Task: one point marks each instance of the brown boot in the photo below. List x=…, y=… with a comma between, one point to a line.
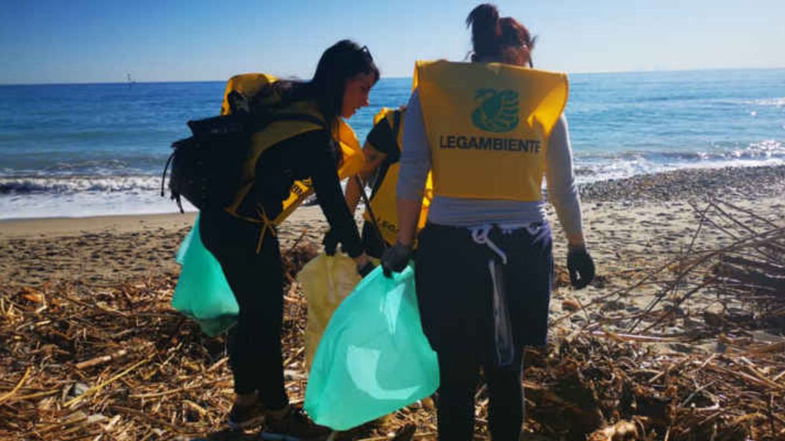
x=247, y=412
x=291, y=424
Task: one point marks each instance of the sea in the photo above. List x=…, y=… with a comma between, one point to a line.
x=70, y=150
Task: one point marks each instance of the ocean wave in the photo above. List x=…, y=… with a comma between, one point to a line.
x=86, y=204
x=79, y=184
x=79, y=168
x=764, y=149
x=666, y=98
x=94, y=164
x=776, y=102
x=625, y=168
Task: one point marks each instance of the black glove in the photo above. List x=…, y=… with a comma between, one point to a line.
x=395, y=258
x=581, y=267
x=330, y=243
x=366, y=269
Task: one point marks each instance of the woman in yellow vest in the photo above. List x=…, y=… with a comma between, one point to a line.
x=382, y=151
x=242, y=235
x=490, y=131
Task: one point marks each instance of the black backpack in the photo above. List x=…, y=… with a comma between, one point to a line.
x=207, y=167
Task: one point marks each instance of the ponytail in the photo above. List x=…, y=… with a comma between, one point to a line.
x=484, y=21
x=494, y=37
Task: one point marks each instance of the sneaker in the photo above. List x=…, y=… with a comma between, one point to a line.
x=291, y=424
x=244, y=416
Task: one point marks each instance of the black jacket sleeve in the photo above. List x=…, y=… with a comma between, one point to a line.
x=324, y=176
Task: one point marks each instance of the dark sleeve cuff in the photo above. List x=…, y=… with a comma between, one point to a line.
x=384, y=140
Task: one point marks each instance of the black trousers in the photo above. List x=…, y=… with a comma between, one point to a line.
x=255, y=353
x=454, y=291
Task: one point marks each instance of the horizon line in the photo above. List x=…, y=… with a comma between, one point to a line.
x=394, y=77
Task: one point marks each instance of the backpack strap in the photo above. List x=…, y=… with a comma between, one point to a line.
x=248, y=174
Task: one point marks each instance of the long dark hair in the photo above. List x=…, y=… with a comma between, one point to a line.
x=338, y=63
x=495, y=37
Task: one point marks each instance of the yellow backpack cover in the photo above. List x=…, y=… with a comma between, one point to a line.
x=251, y=83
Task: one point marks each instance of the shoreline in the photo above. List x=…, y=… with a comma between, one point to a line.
x=638, y=219
x=754, y=181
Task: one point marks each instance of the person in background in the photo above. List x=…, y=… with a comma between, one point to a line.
x=491, y=131
x=382, y=151
x=243, y=239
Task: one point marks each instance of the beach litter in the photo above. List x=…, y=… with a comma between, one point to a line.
x=116, y=362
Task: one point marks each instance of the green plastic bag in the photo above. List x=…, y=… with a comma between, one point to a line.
x=202, y=291
x=373, y=358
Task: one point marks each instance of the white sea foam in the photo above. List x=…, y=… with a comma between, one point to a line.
x=28, y=197
x=35, y=197
x=20, y=185
x=86, y=204
x=776, y=102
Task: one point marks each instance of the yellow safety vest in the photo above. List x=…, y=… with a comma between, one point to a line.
x=278, y=131
x=383, y=201
x=488, y=126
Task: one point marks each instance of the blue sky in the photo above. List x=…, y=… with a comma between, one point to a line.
x=63, y=41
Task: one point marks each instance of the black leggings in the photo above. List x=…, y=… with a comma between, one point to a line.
x=454, y=293
x=459, y=371
x=256, y=279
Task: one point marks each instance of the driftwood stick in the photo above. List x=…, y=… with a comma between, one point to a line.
x=749, y=212
x=148, y=418
x=700, y=223
x=296, y=242
x=751, y=277
x=757, y=264
x=751, y=378
x=218, y=364
x=679, y=302
x=100, y=386
x=759, y=238
x=732, y=218
x=634, y=337
x=74, y=418
x=695, y=392
x=37, y=395
x=646, y=279
x=178, y=390
x=18, y=386
x=296, y=354
x=102, y=359
x=673, y=285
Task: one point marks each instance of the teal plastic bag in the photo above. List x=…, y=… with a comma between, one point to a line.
x=202, y=291
x=373, y=358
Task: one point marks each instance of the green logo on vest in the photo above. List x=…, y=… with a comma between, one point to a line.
x=498, y=110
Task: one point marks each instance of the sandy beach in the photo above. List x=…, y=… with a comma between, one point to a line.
x=647, y=217
x=633, y=226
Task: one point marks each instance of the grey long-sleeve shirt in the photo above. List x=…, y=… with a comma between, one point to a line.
x=465, y=212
